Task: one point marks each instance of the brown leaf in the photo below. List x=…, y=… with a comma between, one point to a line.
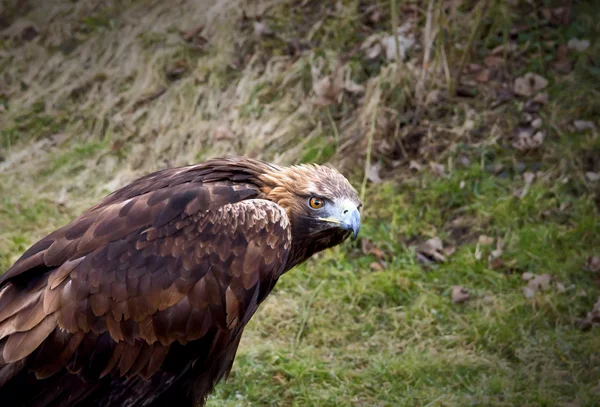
x=527, y=276
x=376, y=266
x=540, y=282
x=483, y=76
x=485, y=240
x=562, y=63
x=493, y=61
x=437, y=169
x=189, y=35
x=432, y=250
x=592, y=264
x=529, y=84
x=459, y=294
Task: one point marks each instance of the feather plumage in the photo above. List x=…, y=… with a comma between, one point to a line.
x=148, y=292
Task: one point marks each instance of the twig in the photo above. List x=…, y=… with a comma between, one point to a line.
x=336, y=134
x=305, y=316
x=394, y=17
x=370, y=136
x=467, y=50
x=419, y=89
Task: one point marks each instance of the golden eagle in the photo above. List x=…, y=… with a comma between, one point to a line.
x=142, y=299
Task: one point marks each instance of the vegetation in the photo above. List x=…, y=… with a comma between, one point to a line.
x=472, y=135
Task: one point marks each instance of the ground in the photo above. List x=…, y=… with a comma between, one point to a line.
x=472, y=138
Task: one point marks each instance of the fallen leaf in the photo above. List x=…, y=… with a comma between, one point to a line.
x=578, y=45
x=459, y=294
x=527, y=276
x=536, y=123
x=328, y=90
x=493, y=61
x=540, y=282
x=375, y=266
x=485, y=240
x=499, y=250
x=437, y=169
x=562, y=63
x=560, y=287
x=405, y=43
x=262, y=30
x=541, y=98
x=582, y=125
x=433, y=97
x=190, y=34
x=432, y=250
x=414, y=165
x=525, y=141
x=483, y=76
x=449, y=251
x=373, y=173
x=528, y=292
x=354, y=87
x=592, y=176
x=592, y=264
x=529, y=84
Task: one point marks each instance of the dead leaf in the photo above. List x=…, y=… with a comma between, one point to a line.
x=527, y=276
x=592, y=264
x=525, y=141
x=449, y=251
x=191, y=34
x=562, y=63
x=485, y=240
x=414, y=165
x=528, y=292
x=327, y=89
x=262, y=30
x=405, y=42
x=433, y=97
x=373, y=173
x=483, y=76
x=375, y=266
x=560, y=288
x=493, y=61
x=499, y=250
x=541, y=98
x=540, y=282
x=432, y=250
x=578, y=45
x=529, y=84
x=536, y=123
x=354, y=87
x=437, y=169
x=459, y=294
x=582, y=125
x=592, y=176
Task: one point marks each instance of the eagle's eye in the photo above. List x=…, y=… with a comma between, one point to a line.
x=316, y=203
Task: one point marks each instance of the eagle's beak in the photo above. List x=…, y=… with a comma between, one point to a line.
x=350, y=220
x=345, y=215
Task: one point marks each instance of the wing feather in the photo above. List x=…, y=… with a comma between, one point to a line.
x=175, y=265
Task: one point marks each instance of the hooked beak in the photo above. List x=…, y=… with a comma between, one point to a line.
x=351, y=221
x=346, y=216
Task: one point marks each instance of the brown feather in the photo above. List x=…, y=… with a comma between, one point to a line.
x=21, y=344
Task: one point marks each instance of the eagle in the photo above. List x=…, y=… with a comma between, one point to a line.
x=142, y=299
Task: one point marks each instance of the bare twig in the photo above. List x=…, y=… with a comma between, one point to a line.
x=467, y=50
x=394, y=16
x=370, y=137
x=420, y=88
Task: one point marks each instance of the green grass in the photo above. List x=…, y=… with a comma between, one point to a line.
x=394, y=337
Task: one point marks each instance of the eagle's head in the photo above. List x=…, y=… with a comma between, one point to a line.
x=322, y=206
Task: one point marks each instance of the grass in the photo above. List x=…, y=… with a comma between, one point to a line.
x=92, y=104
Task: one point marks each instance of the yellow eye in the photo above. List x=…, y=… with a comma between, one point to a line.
x=316, y=203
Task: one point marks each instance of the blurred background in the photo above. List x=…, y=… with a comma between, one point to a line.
x=470, y=129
